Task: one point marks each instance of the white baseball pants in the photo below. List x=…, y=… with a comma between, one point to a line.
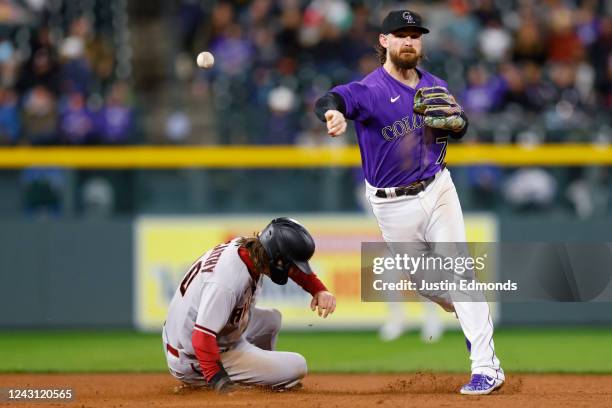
x=434, y=216
x=253, y=359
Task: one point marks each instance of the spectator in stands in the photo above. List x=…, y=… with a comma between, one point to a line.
x=100, y=57
x=514, y=88
x=40, y=117
x=42, y=66
x=484, y=183
x=98, y=197
x=116, y=118
x=42, y=191
x=483, y=92
x=10, y=123
x=76, y=123
x=190, y=18
x=222, y=16
x=41, y=69
x=529, y=42
x=8, y=63
x=13, y=13
x=266, y=50
x=77, y=74
x=530, y=189
x=461, y=34
x=563, y=79
x=257, y=15
x=486, y=13
x=282, y=121
x=601, y=58
x=288, y=33
x=564, y=45
x=495, y=41
x=233, y=51
x=539, y=92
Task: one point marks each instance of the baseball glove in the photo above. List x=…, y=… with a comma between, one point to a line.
x=439, y=107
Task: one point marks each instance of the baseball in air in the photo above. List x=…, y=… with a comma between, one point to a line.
x=205, y=60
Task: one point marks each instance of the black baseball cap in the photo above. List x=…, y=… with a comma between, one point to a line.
x=399, y=19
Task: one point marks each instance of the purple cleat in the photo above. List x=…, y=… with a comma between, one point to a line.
x=481, y=384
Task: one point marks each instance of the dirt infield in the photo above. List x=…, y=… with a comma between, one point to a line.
x=322, y=390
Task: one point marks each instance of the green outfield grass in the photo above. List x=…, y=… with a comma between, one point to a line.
x=580, y=350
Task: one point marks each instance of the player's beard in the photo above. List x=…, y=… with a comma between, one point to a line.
x=405, y=60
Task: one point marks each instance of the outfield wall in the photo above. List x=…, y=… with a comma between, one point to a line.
x=165, y=248
x=551, y=229
x=65, y=273
x=80, y=273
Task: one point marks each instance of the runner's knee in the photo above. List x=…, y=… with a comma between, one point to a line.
x=276, y=319
x=297, y=367
x=270, y=319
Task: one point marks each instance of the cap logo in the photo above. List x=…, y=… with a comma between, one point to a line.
x=408, y=17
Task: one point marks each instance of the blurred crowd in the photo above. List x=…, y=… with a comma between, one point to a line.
x=58, y=78
x=525, y=71
x=64, y=75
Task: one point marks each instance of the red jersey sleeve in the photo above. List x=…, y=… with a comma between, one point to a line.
x=215, y=308
x=204, y=343
x=309, y=282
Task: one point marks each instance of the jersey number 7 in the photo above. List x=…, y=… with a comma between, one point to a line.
x=444, y=142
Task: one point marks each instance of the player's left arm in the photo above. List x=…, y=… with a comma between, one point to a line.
x=216, y=305
x=322, y=299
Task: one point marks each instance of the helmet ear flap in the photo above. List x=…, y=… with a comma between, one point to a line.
x=270, y=240
x=278, y=274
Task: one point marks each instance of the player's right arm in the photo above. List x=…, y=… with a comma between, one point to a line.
x=322, y=300
x=217, y=303
x=336, y=123
x=350, y=101
x=330, y=108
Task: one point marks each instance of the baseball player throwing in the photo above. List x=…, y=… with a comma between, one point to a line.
x=215, y=336
x=403, y=117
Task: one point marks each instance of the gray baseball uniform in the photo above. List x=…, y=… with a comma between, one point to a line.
x=212, y=317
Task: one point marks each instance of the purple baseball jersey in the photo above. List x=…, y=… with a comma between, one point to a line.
x=396, y=147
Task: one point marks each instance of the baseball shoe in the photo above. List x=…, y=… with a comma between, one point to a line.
x=291, y=386
x=392, y=329
x=481, y=384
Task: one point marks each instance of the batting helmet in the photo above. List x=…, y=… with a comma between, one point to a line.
x=287, y=243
